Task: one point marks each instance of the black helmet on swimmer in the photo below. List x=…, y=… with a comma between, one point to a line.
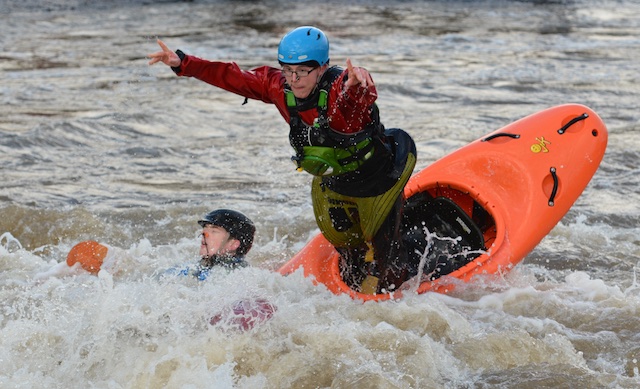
x=237, y=225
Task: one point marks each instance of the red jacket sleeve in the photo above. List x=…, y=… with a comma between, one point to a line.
x=262, y=83
x=350, y=110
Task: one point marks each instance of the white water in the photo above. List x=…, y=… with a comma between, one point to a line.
x=94, y=144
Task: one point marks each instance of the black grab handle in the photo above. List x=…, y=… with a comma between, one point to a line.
x=490, y=137
x=554, y=191
x=572, y=122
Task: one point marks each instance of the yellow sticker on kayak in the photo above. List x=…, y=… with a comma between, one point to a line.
x=541, y=146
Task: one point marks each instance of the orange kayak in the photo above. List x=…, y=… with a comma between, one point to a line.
x=501, y=194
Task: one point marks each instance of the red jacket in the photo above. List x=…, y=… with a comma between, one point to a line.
x=348, y=111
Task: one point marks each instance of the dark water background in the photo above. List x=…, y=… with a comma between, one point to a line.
x=95, y=144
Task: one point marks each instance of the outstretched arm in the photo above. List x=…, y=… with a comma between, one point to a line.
x=262, y=83
x=166, y=56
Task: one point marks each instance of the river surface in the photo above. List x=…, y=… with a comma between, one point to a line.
x=96, y=144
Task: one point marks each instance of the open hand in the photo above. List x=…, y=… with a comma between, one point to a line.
x=166, y=56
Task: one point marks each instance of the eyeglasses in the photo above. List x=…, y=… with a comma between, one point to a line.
x=300, y=73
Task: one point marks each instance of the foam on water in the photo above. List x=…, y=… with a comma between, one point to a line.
x=130, y=329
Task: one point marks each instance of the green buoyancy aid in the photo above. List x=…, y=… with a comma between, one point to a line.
x=321, y=150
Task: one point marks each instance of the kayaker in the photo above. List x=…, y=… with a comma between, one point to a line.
x=227, y=236
x=359, y=168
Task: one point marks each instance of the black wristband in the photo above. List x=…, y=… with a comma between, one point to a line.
x=181, y=55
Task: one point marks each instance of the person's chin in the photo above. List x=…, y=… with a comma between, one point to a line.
x=300, y=93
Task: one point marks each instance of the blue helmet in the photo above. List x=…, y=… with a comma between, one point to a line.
x=302, y=45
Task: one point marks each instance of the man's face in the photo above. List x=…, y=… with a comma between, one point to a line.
x=302, y=78
x=216, y=240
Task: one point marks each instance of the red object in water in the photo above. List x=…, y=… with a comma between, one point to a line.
x=244, y=315
x=89, y=253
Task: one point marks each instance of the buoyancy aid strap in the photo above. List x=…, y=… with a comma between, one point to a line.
x=318, y=96
x=290, y=98
x=321, y=161
x=323, y=98
x=359, y=153
x=292, y=102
